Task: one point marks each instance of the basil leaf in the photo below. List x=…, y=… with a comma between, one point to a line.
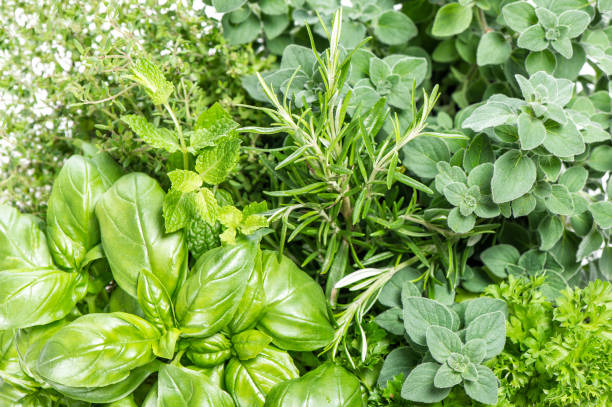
x=249, y=344
x=252, y=304
x=31, y=297
x=133, y=238
x=182, y=387
x=72, y=227
x=209, y=298
x=249, y=381
x=22, y=243
x=111, y=343
x=329, y=385
x=209, y=352
x=296, y=310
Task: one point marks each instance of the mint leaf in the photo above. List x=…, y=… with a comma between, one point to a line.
x=215, y=163
x=184, y=181
x=157, y=137
x=147, y=74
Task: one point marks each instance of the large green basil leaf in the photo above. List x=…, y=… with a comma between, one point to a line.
x=296, y=314
x=112, y=392
x=252, y=304
x=72, y=227
x=133, y=238
x=178, y=387
x=30, y=342
x=211, y=351
x=329, y=385
x=151, y=399
x=249, y=344
x=10, y=368
x=22, y=243
x=249, y=381
x=155, y=301
x=110, y=343
x=10, y=395
x=209, y=298
x=31, y=297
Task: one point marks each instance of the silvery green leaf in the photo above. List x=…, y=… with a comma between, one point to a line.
x=560, y=201
x=446, y=377
x=441, y=342
x=393, y=28
x=419, y=385
x=492, y=328
x=448, y=174
x=563, y=46
x=460, y=223
x=491, y=114
x=519, y=15
x=533, y=39
x=470, y=373
x=546, y=18
x=475, y=350
x=514, y=173
x=484, y=389
x=576, y=20
x=483, y=305
x=391, y=320
x=400, y=360
x=531, y=131
x=602, y=214
x=498, y=257
x=421, y=313
x=390, y=295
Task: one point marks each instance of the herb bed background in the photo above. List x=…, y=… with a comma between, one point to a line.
x=439, y=168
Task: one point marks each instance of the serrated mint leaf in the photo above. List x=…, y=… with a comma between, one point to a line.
x=215, y=163
x=475, y=350
x=451, y=19
x=230, y=216
x=441, y=342
x=421, y=313
x=184, y=181
x=157, y=137
x=419, y=385
x=514, y=173
x=205, y=206
x=255, y=208
x=446, y=377
x=493, y=49
x=177, y=210
x=484, y=389
x=498, y=257
x=560, y=200
x=492, y=328
x=394, y=28
x=212, y=124
x=252, y=223
x=147, y=74
x=602, y=214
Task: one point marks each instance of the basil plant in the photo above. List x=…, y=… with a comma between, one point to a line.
x=447, y=346
x=104, y=288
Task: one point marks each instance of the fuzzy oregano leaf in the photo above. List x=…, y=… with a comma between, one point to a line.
x=441, y=342
x=419, y=385
x=513, y=176
x=490, y=327
x=421, y=313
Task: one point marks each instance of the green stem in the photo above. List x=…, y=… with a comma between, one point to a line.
x=179, y=131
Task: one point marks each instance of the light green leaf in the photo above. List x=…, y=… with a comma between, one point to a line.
x=560, y=201
x=531, y=131
x=446, y=377
x=519, y=15
x=602, y=214
x=475, y=350
x=419, y=385
x=214, y=164
x=147, y=74
x=184, y=181
x=491, y=114
x=38, y=296
x=551, y=166
x=183, y=387
x=601, y=158
x=225, y=6
x=22, y=243
x=498, y=257
x=533, y=39
x=492, y=328
x=493, y=49
x=451, y=19
x=478, y=152
x=524, y=205
x=423, y=153
x=441, y=342
x=460, y=223
x=484, y=389
x=421, y=313
x=248, y=344
x=563, y=46
x=483, y=305
x=400, y=360
x=274, y=7
x=540, y=61
x=574, y=178
x=589, y=244
x=394, y=28
x=157, y=137
x=513, y=176
x=155, y=301
x=576, y=21
x=240, y=33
